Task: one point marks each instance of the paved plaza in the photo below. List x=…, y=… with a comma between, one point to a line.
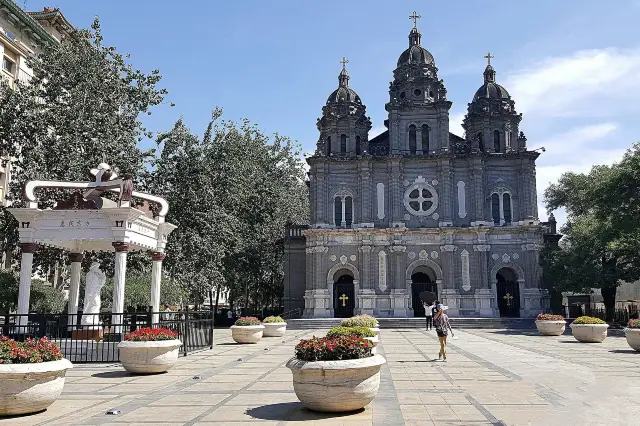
x=492, y=377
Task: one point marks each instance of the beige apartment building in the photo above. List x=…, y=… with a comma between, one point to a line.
x=23, y=34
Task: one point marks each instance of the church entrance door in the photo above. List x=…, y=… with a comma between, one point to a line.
x=421, y=281
x=343, y=297
x=508, y=292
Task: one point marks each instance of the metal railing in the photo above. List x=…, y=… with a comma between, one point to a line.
x=292, y=314
x=94, y=338
x=620, y=316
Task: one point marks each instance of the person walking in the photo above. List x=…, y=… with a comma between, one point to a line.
x=428, y=313
x=441, y=323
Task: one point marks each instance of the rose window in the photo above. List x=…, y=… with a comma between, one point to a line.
x=421, y=199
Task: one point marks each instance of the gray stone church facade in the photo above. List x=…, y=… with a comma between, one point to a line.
x=418, y=208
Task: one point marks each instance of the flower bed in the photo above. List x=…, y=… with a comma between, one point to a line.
x=335, y=374
x=247, y=330
x=149, y=350
x=351, y=331
x=247, y=321
x=274, y=327
x=362, y=321
x=632, y=333
x=589, y=329
x=550, y=325
x=32, y=375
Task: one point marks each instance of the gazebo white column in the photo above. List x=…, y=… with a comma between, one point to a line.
x=74, y=288
x=156, y=279
x=24, y=291
x=117, y=307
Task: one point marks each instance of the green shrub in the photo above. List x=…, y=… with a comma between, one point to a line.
x=247, y=321
x=333, y=348
x=272, y=319
x=360, y=321
x=351, y=331
x=588, y=320
x=634, y=323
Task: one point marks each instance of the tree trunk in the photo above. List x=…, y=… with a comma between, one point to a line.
x=609, y=297
x=217, y=298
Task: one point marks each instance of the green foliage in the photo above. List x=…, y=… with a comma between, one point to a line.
x=137, y=293
x=44, y=297
x=351, y=331
x=360, y=321
x=29, y=352
x=247, y=321
x=634, y=323
x=549, y=317
x=273, y=319
x=8, y=291
x=588, y=320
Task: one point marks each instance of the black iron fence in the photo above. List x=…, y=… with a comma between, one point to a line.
x=620, y=316
x=95, y=337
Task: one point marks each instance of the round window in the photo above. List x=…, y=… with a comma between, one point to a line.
x=421, y=199
x=417, y=92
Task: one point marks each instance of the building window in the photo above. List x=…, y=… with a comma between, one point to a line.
x=425, y=138
x=348, y=211
x=412, y=139
x=506, y=207
x=358, y=147
x=495, y=208
x=8, y=65
x=496, y=141
x=343, y=209
x=337, y=211
x=328, y=145
x=480, y=141
x=343, y=143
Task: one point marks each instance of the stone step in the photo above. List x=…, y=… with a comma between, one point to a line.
x=462, y=323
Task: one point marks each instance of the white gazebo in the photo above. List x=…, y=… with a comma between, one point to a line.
x=87, y=222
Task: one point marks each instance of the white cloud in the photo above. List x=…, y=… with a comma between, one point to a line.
x=455, y=123
x=576, y=139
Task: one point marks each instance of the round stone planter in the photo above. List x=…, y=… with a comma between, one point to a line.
x=375, y=341
x=149, y=357
x=247, y=333
x=633, y=338
x=551, y=328
x=29, y=388
x=274, y=329
x=336, y=386
x=589, y=333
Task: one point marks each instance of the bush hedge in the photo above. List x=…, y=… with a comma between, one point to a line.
x=588, y=320
x=360, y=321
x=550, y=317
x=273, y=319
x=351, y=331
x=247, y=321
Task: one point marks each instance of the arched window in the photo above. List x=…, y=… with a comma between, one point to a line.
x=496, y=141
x=425, y=138
x=337, y=211
x=495, y=208
x=328, y=145
x=506, y=207
x=412, y=139
x=481, y=141
x=343, y=143
x=348, y=211
x=358, y=147
x=343, y=209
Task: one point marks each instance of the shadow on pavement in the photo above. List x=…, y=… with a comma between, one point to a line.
x=112, y=374
x=293, y=411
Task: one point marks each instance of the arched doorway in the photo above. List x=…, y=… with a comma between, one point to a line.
x=343, y=295
x=422, y=279
x=508, y=292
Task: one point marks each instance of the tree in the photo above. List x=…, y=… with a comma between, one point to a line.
x=137, y=293
x=82, y=107
x=44, y=298
x=598, y=251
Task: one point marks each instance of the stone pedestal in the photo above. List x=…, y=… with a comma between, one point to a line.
x=317, y=304
x=366, y=302
x=451, y=298
x=400, y=303
x=533, y=302
x=485, y=303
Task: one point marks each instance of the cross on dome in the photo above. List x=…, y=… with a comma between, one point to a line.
x=489, y=57
x=414, y=16
x=344, y=63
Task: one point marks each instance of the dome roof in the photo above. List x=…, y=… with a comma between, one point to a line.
x=415, y=54
x=490, y=89
x=344, y=94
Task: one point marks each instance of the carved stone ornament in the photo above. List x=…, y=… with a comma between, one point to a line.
x=529, y=247
x=423, y=254
x=343, y=259
x=434, y=254
x=353, y=257
x=365, y=249
x=495, y=256
x=448, y=247
x=506, y=258
x=317, y=249
x=516, y=256
x=333, y=258
x=382, y=270
x=466, y=278
x=398, y=249
x=482, y=247
x=411, y=255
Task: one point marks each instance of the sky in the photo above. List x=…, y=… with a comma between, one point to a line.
x=572, y=67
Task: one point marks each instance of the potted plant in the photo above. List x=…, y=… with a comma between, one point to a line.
x=149, y=350
x=335, y=374
x=589, y=329
x=362, y=321
x=364, y=332
x=550, y=325
x=274, y=327
x=32, y=375
x=247, y=330
x=632, y=333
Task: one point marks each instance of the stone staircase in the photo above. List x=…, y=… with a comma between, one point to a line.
x=462, y=323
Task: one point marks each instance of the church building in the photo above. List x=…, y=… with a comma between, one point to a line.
x=418, y=208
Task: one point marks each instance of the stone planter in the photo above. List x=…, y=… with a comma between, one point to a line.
x=274, y=329
x=149, y=357
x=551, y=328
x=375, y=341
x=336, y=386
x=589, y=333
x=29, y=388
x=377, y=331
x=247, y=333
x=633, y=338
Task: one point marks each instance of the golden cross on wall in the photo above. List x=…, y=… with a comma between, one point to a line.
x=344, y=299
x=415, y=18
x=344, y=63
x=489, y=57
x=508, y=298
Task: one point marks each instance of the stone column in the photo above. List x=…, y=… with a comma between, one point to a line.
x=74, y=288
x=24, y=292
x=117, y=307
x=446, y=194
x=156, y=280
